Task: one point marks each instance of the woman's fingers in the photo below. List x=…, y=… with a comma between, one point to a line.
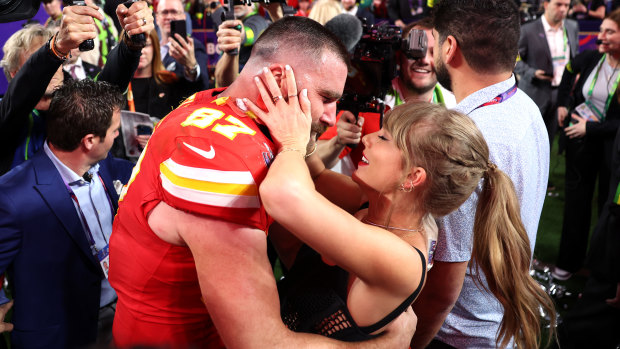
x=291, y=84
x=264, y=94
x=272, y=85
x=254, y=109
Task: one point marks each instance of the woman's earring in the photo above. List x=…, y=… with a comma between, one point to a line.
x=406, y=190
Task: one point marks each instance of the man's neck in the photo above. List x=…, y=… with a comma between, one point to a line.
x=74, y=160
x=467, y=83
x=552, y=24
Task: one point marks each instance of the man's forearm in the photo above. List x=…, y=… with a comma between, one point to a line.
x=226, y=70
x=121, y=65
x=440, y=293
x=329, y=150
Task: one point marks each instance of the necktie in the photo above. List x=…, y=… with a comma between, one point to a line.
x=73, y=74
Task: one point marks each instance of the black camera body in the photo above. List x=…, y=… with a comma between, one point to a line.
x=373, y=66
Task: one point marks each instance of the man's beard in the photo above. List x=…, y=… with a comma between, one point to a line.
x=443, y=76
x=419, y=90
x=317, y=128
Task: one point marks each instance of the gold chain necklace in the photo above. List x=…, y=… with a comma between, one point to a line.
x=411, y=231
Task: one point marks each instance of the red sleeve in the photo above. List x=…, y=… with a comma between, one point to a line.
x=204, y=177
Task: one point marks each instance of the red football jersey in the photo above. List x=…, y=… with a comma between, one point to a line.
x=206, y=157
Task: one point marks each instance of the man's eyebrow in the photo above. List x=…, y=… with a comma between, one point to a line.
x=330, y=94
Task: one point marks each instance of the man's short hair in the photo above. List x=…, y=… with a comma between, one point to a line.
x=487, y=31
x=301, y=35
x=79, y=108
x=425, y=23
x=21, y=41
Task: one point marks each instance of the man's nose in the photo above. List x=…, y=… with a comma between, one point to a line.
x=329, y=115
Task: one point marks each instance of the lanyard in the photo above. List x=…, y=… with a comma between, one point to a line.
x=502, y=97
x=565, y=41
x=30, y=126
x=611, y=92
x=437, y=97
x=89, y=233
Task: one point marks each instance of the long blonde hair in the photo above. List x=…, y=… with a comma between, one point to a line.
x=449, y=146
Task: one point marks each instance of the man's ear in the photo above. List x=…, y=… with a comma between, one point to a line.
x=450, y=47
x=89, y=141
x=278, y=72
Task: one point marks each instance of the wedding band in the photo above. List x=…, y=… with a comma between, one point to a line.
x=276, y=98
x=143, y=21
x=290, y=96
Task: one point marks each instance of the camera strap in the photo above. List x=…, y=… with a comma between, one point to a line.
x=502, y=97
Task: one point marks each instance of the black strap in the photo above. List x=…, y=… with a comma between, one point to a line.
x=403, y=306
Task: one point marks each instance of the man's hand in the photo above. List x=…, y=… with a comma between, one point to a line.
x=142, y=140
x=349, y=129
x=401, y=330
x=228, y=37
x=5, y=326
x=577, y=130
x=136, y=19
x=562, y=114
x=77, y=26
x=183, y=53
x=615, y=302
x=540, y=75
x=399, y=23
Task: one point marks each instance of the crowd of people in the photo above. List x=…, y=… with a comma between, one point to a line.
x=405, y=221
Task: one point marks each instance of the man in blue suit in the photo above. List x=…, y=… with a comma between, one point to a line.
x=56, y=214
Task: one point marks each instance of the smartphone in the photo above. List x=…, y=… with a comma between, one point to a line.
x=144, y=130
x=178, y=27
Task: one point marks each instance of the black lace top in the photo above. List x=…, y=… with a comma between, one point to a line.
x=313, y=299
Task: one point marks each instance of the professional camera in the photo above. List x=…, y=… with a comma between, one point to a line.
x=373, y=66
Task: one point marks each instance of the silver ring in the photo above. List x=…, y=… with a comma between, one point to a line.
x=143, y=21
x=290, y=96
x=275, y=99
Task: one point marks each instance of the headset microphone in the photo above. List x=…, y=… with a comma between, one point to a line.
x=599, y=41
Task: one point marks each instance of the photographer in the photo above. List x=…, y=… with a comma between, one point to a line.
x=416, y=81
x=32, y=80
x=186, y=57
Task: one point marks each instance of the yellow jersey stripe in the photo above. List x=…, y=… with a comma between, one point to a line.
x=206, y=198
x=206, y=186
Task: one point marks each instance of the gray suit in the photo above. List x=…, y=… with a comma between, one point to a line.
x=535, y=54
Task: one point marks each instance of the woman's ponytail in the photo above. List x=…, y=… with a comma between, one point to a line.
x=502, y=251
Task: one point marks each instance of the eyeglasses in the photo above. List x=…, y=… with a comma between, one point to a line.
x=170, y=12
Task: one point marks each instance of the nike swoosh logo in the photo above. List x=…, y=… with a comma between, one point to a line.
x=206, y=154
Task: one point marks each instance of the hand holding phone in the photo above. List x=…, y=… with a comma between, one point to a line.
x=88, y=44
x=178, y=27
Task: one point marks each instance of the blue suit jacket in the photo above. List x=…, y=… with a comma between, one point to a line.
x=54, y=278
x=202, y=83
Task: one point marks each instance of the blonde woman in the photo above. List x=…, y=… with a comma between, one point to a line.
x=425, y=160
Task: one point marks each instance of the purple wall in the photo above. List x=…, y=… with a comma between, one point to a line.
x=6, y=30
